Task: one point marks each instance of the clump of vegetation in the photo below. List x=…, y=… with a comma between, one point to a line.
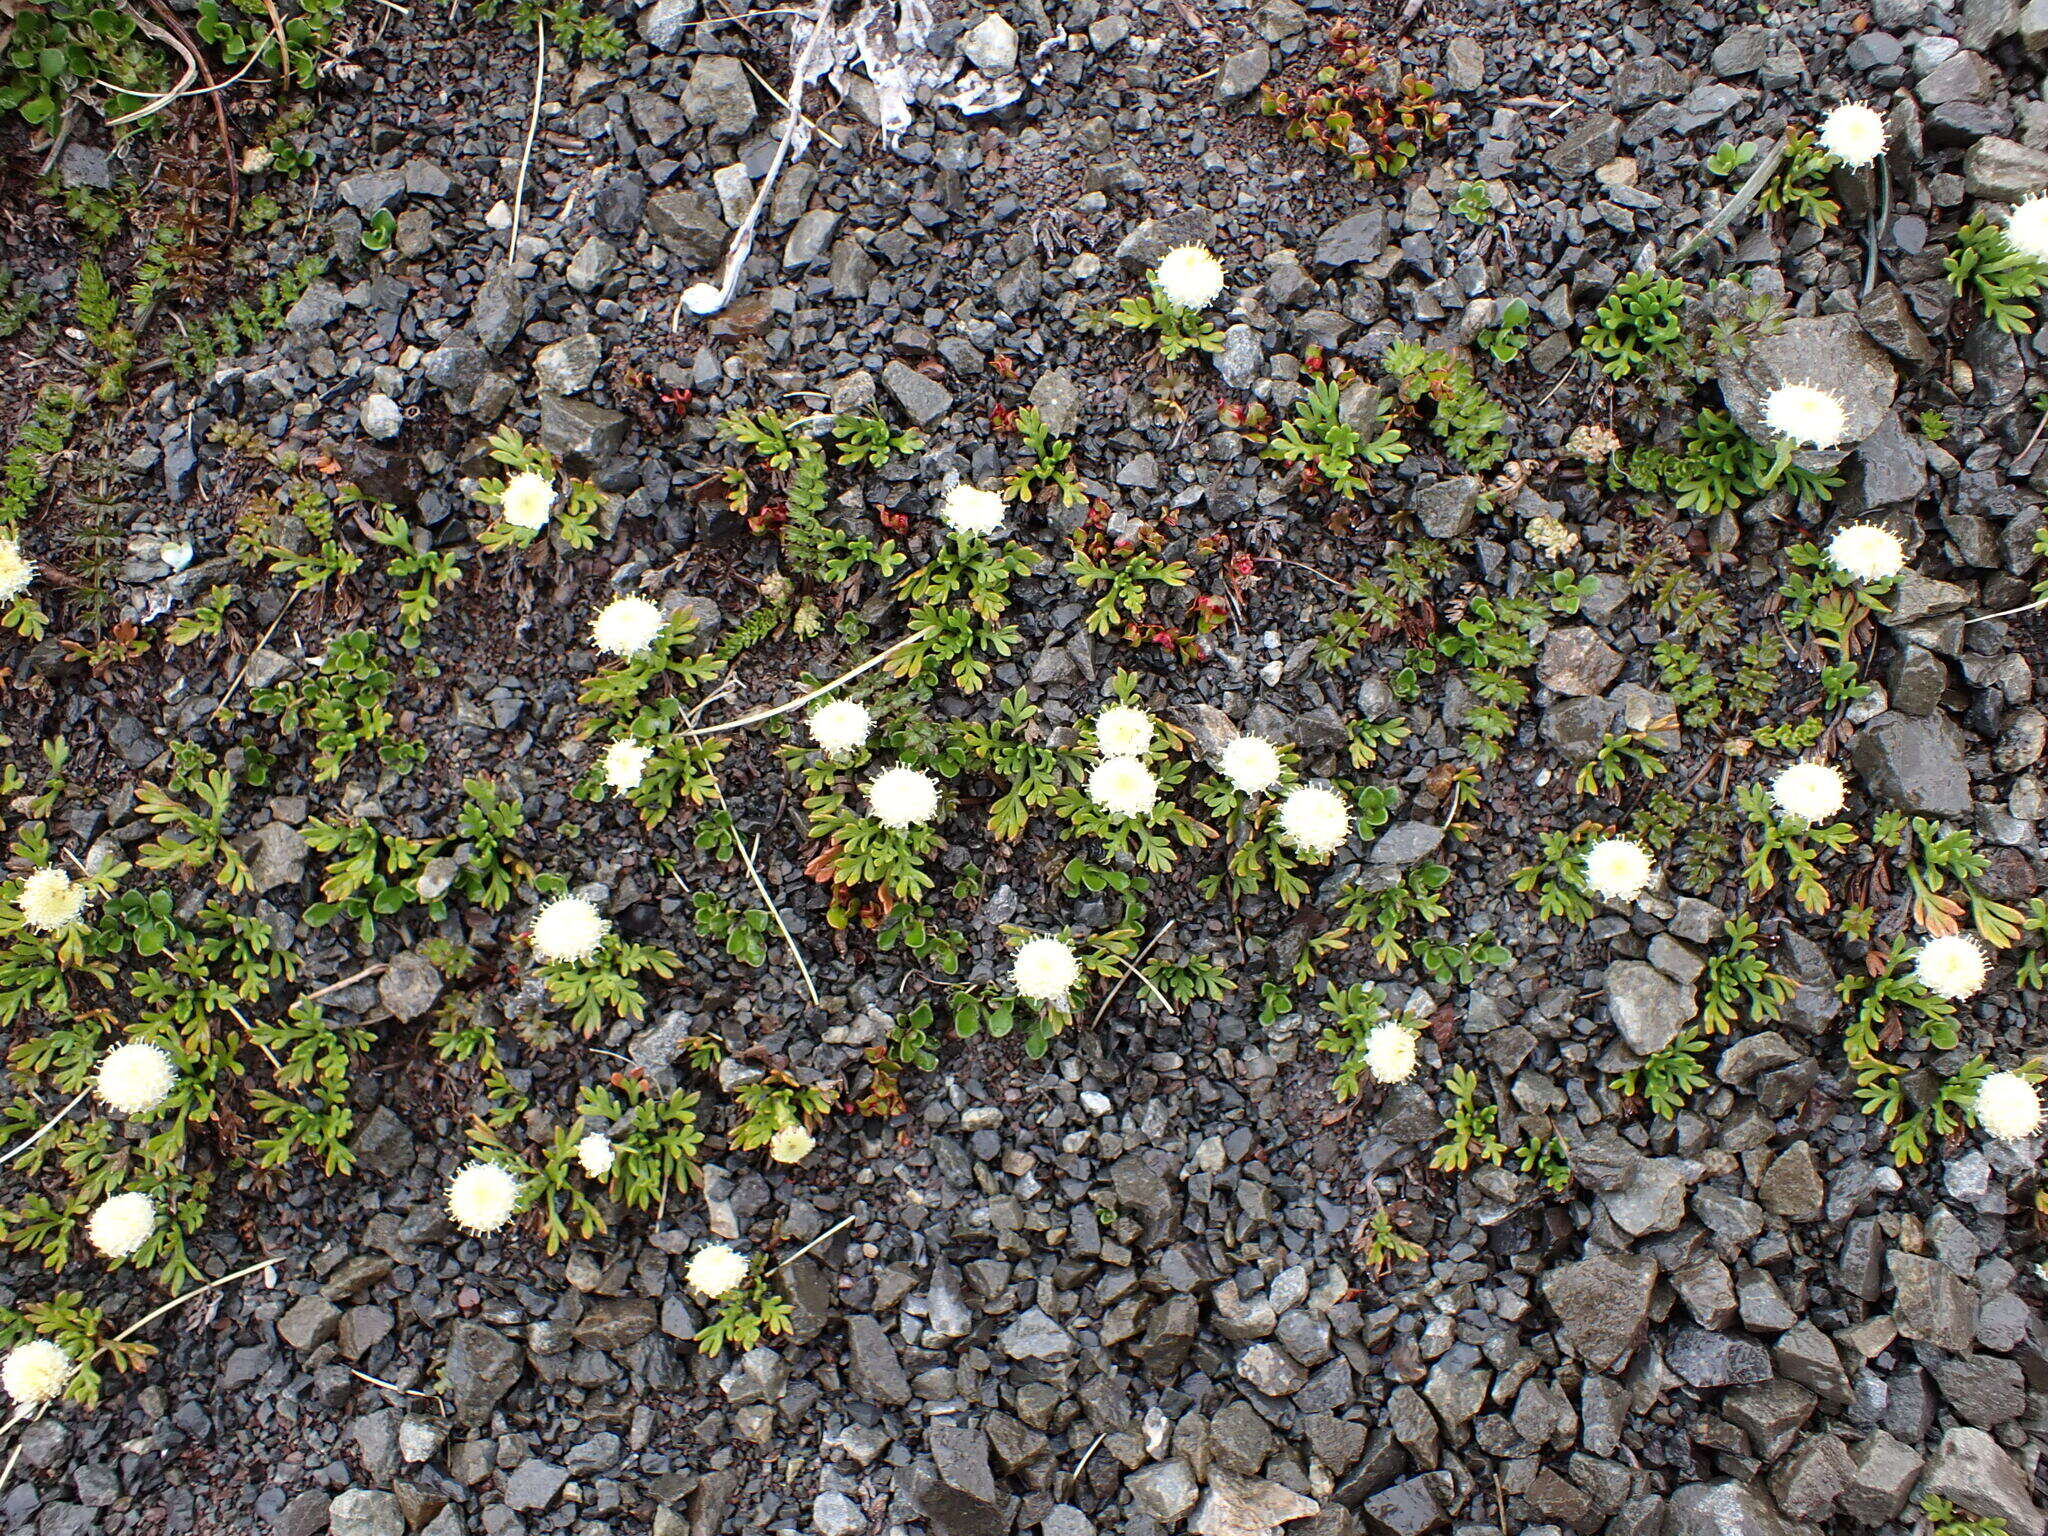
x=1351, y=118
x=1463, y=417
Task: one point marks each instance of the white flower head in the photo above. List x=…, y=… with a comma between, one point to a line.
x=482, y=1197
x=1867, y=551
x=121, y=1224
x=597, y=1154
x=1315, y=820
x=1618, y=869
x=2008, y=1106
x=627, y=626
x=1044, y=971
x=1121, y=731
x=704, y=298
x=1123, y=786
x=135, y=1078
x=50, y=899
x=902, y=798
x=1853, y=133
x=1812, y=792
x=1390, y=1052
x=715, y=1270
x=1953, y=966
x=625, y=764
x=16, y=569
x=1250, y=763
x=1807, y=415
x=969, y=509
x=35, y=1372
x=528, y=501
x=791, y=1144
x=2026, y=230
x=567, y=929
x=841, y=727
x=1190, y=276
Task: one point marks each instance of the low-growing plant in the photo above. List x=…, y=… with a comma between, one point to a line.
x=1797, y=843
x=1469, y=1127
x=1050, y=464
x=343, y=706
x=1983, y=265
x=958, y=601
x=1800, y=183
x=1349, y=116
x=1639, y=330
x=608, y=984
x=1739, y=983
x=1384, y=1245
x=1548, y=1159
x=570, y=520
x=1464, y=418
x=1327, y=449
x=1666, y=1078
x=1508, y=336
x=1122, y=573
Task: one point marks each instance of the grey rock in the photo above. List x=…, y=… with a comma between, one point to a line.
x=874, y=1370
x=1244, y=1506
x=958, y=1492
x=1792, y=1187
x=1058, y=401
x=1242, y=73
x=1140, y=250
x=1408, y=1508
x=380, y=416
x=1721, y=1509
x=1577, y=663
x=718, y=97
x=1984, y=1390
x=2033, y=26
x=276, y=855
x=1931, y=1304
x=1652, y=1201
x=1830, y=352
x=1361, y=237
x=500, y=311
x=1647, y=1006
x=595, y=260
x=1883, y=1481
x=923, y=398
x=1266, y=1369
x=1808, y=1484
x=534, y=1484
x=566, y=367
x=371, y=190
x=1973, y=1470
x=689, y=224
x=1915, y=763
x=1915, y=598
x=316, y=309
x=1035, y=1336
x=1243, y=356
x=664, y=25
x=482, y=1366
x=2004, y=170
x=1407, y=843
x=409, y=987
x=365, y=1512
x=1742, y=51
x=581, y=430
x=1446, y=508
x=1890, y=322
x=308, y=1323
x=1602, y=1304
x=1704, y=1359
x=1164, y=1491
x=991, y=45
x=834, y=1514
x=1589, y=145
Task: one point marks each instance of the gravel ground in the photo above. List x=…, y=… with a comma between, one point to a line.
x=1128, y=1286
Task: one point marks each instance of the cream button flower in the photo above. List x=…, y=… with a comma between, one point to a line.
x=1853, y=134
x=627, y=626
x=121, y=1224
x=1953, y=966
x=1812, y=792
x=1044, y=971
x=704, y=298
x=791, y=1144
x=1190, y=277
x=1315, y=820
x=597, y=1155
x=34, y=1373
x=841, y=727
x=134, y=1079
x=1618, y=869
x=625, y=765
x=482, y=1197
x=715, y=1270
x=1390, y=1052
x=529, y=500
x=2026, y=231
x=1806, y=415
x=1121, y=731
x=970, y=509
x=567, y=929
x=902, y=798
x=2008, y=1106
x=16, y=569
x=50, y=899
x=1867, y=552
x=1250, y=763
x=1123, y=786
